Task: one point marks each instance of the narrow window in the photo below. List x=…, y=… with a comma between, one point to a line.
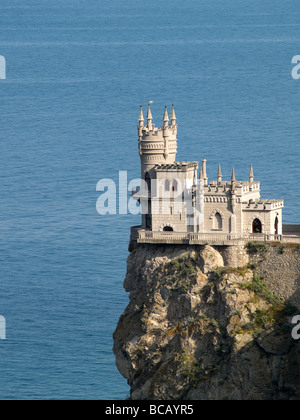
x=167, y=185
x=218, y=221
x=175, y=185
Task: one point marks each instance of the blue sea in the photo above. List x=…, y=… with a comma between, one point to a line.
x=77, y=72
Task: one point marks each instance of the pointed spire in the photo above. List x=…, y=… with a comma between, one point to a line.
x=251, y=176
x=233, y=178
x=166, y=118
x=149, y=115
x=173, y=116
x=149, y=118
x=141, y=117
x=220, y=176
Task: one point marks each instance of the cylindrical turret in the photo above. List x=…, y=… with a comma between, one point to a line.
x=156, y=146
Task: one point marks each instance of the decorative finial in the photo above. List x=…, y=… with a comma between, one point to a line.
x=149, y=116
x=141, y=117
x=233, y=178
x=220, y=176
x=173, y=116
x=166, y=117
x=204, y=162
x=251, y=176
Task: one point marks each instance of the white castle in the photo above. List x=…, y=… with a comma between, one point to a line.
x=180, y=205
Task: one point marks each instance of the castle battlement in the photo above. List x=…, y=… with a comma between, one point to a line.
x=264, y=205
x=176, y=166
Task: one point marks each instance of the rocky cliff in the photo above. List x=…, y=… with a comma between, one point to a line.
x=211, y=323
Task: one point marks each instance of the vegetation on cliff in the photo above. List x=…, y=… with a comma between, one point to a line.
x=199, y=328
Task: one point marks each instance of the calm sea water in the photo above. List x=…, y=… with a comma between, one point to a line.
x=77, y=72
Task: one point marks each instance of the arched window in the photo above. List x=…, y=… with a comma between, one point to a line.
x=218, y=222
x=167, y=185
x=257, y=226
x=168, y=229
x=175, y=185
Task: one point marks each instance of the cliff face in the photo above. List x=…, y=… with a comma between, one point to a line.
x=203, y=324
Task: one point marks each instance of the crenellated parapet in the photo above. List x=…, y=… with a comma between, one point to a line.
x=263, y=205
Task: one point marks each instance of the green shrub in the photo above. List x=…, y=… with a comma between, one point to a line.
x=260, y=288
x=282, y=249
x=220, y=272
x=256, y=248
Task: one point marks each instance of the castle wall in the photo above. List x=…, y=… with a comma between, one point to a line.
x=210, y=212
x=168, y=205
x=267, y=219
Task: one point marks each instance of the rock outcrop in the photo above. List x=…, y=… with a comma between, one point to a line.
x=203, y=323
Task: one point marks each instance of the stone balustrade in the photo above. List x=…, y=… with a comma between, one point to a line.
x=146, y=236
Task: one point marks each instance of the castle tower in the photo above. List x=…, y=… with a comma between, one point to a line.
x=156, y=145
